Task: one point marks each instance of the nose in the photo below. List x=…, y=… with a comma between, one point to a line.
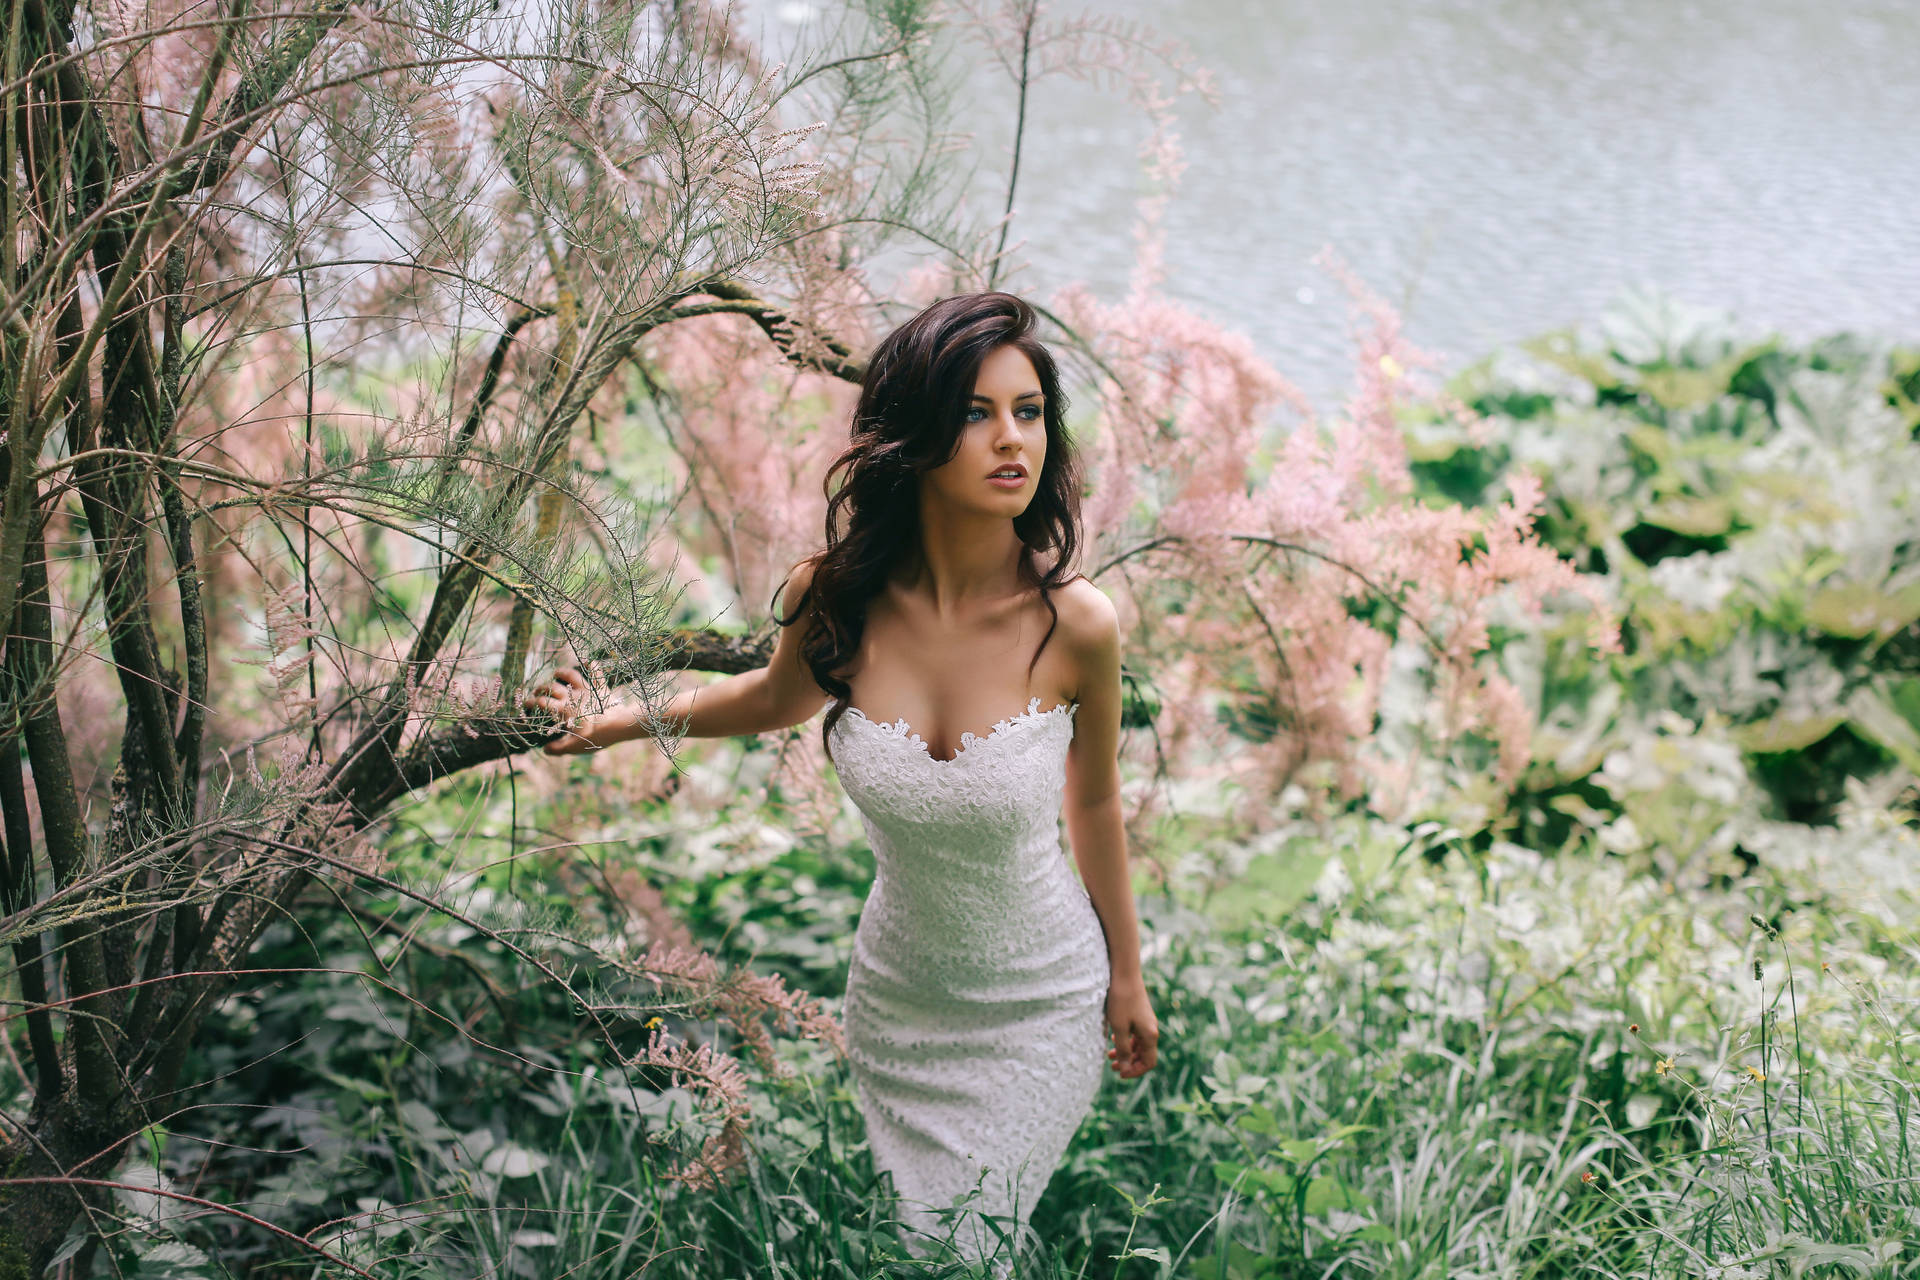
x=1009, y=434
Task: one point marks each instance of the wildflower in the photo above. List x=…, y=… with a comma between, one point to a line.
x=1758, y=1075
x=1663, y=1066
x=1633, y=1028
x=655, y=1021
x=1390, y=367
x=1825, y=967
x=1586, y=1175
x=718, y=1080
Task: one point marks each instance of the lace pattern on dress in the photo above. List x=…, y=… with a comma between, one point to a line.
x=976, y=997
x=967, y=736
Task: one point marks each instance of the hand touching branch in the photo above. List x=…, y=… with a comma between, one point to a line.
x=563, y=696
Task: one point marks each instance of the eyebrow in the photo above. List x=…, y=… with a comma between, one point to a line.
x=1024, y=395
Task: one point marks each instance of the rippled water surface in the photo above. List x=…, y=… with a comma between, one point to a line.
x=1500, y=167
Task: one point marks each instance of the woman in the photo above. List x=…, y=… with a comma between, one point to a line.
x=981, y=969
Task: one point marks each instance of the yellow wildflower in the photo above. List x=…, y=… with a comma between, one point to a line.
x=1663, y=1066
x=1391, y=367
x=1758, y=1075
x=655, y=1022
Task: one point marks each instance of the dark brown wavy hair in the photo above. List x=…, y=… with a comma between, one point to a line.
x=912, y=411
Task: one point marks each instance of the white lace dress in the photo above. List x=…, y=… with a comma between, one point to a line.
x=975, y=1002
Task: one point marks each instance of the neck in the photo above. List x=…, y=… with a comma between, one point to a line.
x=964, y=559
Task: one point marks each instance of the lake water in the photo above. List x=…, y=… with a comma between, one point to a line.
x=1497, y=167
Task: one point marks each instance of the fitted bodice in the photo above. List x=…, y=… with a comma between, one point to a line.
x=967, y=851
x=997, y=788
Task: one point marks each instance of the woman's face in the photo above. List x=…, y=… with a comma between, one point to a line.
x=1006, y=429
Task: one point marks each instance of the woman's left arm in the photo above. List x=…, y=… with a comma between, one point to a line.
x=1098, y=834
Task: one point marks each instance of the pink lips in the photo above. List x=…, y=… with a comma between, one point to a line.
x=1007, y=482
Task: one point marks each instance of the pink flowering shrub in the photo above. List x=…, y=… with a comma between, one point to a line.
x=1279, y=590
x=1265, y=562
x=1268, y=564
x=746, y=1002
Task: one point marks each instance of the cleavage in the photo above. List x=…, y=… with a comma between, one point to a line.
x=947, y=753
x=997, y=646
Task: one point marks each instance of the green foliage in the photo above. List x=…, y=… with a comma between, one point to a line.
x=338, y=1101
x=1381, y=1052
x=1657, y=1026
x=1755, y=510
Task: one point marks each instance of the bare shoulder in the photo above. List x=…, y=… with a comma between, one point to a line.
x=798, y=580
x=791, y=691
x=1089, y=623
x=1090, y=628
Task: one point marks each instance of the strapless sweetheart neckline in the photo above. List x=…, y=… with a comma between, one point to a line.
x=900, y=728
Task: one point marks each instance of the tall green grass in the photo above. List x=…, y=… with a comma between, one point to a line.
x=1422, y=1062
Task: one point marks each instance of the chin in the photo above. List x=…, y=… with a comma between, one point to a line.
x=1006, y=506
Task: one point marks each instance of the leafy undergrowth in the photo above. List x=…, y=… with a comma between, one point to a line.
x=1383, y=1054
x=1652, y=1016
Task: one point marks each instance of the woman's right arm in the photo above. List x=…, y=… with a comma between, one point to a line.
x=778, y=695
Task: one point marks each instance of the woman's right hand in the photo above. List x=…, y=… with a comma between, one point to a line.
x=562, y=696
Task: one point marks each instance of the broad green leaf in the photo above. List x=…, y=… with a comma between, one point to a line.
x=1300, y=1150
x=358, y=1006
x=1258, y=1119
x=1242, y=1263
x=1153, y=1253
x=1280, y=1184
x=423, y=1123
x=1253, y=1178
x=1561, y=349
x=76, y=1240
x=361, y=1090
x=1786, y=731
x=1697, y=517
x=1328, y=1192
x=173, y=1260
x=1229, y=1171
x=1858, y=610
x=1903, y=695
x=1652, y=442
x=1328, y=1041
x=511, y=1160
x=1874, y=716
x=1692, y=386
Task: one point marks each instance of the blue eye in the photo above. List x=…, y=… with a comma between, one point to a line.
x=1026, y=413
